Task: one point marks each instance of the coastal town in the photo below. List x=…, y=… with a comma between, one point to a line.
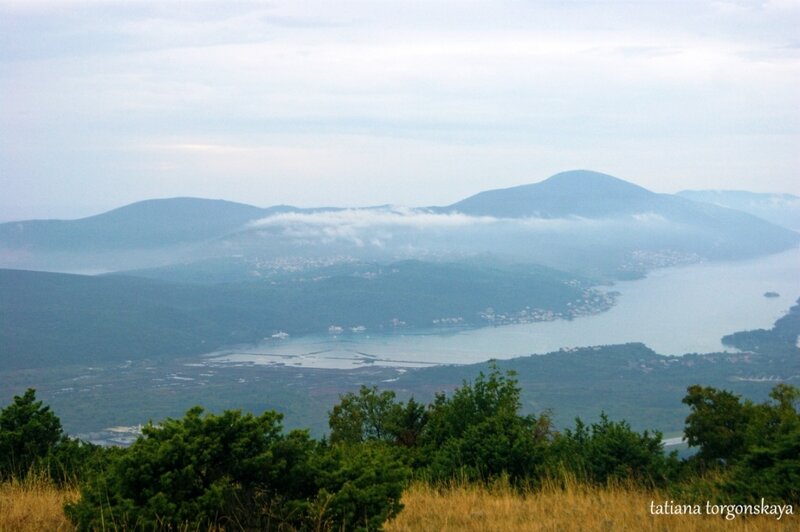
x=592, y=302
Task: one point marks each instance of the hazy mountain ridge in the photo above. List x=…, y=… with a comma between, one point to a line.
x=582, y=221
x=593, y=195
x=149, y=223
x=780, y=209
x=578, y=193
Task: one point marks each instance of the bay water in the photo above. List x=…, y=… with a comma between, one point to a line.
x=673, y=310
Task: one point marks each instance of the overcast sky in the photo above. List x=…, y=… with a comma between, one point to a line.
x=415, y=103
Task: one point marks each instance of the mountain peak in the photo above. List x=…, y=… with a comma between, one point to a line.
x=173, y=209
x=574, y=193
x=148, y=223
x=589, y=181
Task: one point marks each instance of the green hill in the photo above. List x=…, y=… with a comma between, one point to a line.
x=151, y=223
x=51, y=319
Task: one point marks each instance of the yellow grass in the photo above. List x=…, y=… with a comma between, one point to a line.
x=37, y=505
x=465, y=507
x=34, y=504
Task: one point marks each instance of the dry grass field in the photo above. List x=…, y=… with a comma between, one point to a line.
x=465, y=508
x=34, y=505
x=37, y=505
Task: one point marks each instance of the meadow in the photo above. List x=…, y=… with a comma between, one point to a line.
x=472, y=507
x=36, y=504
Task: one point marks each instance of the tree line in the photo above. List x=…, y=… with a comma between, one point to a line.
x=243, y=471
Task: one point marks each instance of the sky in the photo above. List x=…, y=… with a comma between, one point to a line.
x=356, y=103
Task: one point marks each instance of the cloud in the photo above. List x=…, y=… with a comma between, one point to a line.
x=380, y=226
x=394, y=216
x=365, y=227
x=376, y=227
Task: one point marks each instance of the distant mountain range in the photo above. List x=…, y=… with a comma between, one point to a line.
x=185, y=276
x=581, y=221
x=780, y=209
x=145, y=224
x=593, y=195
x=175, y=278
x=580, y=193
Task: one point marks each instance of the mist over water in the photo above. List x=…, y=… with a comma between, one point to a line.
x=674, y=311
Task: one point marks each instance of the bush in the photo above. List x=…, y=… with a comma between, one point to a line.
x=753, y=450
x=610, y=450
x=479, y=433
x=238, y=470
x=376, y=416
x=772, y=472
x=717, y=424
x=73, y=460
x=359, y=487
x=29, y=431
x=769, y=466
x=198, y=471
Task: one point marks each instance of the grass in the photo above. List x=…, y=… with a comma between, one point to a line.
x=36, y=505
x=470, y=507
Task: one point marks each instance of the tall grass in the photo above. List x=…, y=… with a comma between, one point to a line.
x=556, y=506
x=34, y=504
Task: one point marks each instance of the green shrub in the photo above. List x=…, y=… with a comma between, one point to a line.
x=29, y=431
x=238, y=471
x=771, y=472
x=359, y=486
x=751, y=450
x=479, y=434
x=769, y=466
x=73, y=460
x=717, y=424
x=609, y=450
x=371, y=415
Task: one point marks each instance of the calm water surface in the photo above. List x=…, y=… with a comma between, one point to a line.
x=674, y=311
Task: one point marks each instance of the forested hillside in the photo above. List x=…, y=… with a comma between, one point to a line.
x=51, y=319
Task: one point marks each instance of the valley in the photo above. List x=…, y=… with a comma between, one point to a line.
x=626, y=379
x=629, y=381
x=599, y=293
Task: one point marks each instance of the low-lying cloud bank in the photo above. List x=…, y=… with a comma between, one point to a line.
x=375, y=217
x=377, y=226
